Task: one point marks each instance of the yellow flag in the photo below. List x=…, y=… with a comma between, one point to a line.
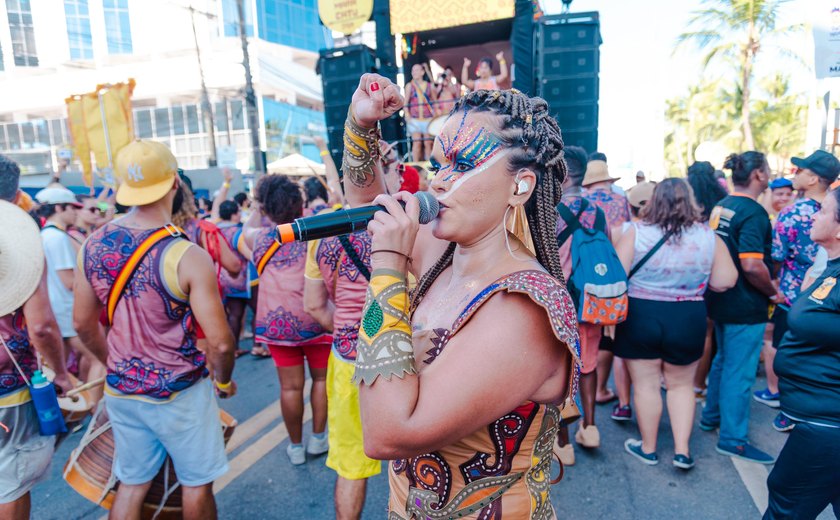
x=78, y=134
x=109, y=106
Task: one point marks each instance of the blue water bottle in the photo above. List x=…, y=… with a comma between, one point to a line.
x=46, y=404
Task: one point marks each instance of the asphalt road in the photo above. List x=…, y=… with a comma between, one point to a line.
x=605, y=483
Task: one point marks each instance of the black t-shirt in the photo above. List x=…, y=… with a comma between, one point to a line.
x=808, y=359
x=744, y=226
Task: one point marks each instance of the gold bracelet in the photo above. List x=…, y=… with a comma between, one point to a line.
x=324, y=153
x=226, y=185
x=361, y=151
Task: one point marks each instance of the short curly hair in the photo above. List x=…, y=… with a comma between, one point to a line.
x=280, y=199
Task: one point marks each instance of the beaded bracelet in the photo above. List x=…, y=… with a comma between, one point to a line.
x=361, y=151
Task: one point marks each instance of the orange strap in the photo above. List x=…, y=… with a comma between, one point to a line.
x=756, y=256
x=267, y=256
x=130, y=266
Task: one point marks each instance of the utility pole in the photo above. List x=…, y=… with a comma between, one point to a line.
x=206, y=107
x=250, y=97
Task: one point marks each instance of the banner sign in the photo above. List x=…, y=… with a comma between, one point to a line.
x=345, y=16
x=826, y=22
x=408, y=16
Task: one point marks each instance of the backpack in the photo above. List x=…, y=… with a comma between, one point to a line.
x=598, y=283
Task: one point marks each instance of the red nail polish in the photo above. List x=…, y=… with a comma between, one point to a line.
x=374, y=86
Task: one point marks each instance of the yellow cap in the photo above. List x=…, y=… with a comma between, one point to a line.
x=145, y=170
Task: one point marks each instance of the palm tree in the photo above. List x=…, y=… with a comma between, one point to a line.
x=734, y=32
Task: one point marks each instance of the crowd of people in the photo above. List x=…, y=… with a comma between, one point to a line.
x=679, y=286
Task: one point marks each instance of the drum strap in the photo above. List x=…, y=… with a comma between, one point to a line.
x=261, y=265
x=130, y=267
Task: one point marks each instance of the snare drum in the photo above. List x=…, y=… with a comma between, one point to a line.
x=89, y=471
x=436, y=125
x=76, y=409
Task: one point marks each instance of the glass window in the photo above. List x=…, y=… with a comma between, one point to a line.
x=57, y=129
x=143, y=123
x=22, y=32
x=117, y=26
x=220, y=115
x=193, y=126
x=13, y=134
x=42, y=134
x=3, y=143
x=177, y=121
x=230, y=16
x=237, y=114
x=27, y=135
x=78, y=29
x=162, y=127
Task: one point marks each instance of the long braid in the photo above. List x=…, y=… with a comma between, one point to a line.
x=535, y=138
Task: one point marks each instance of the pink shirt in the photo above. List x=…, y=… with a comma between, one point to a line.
x=281, y=319
x=152, y=343
x=13, y=331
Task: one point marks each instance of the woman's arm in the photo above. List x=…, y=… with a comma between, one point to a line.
x=503, y=69
x=488, y=369
x=330, y=170
x=252, y=227
x=465, y=74
x=221, y=195
x=316, y=303
x=724, y=273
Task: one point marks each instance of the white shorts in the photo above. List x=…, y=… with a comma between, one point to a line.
x=186, y=428
x=25, y=455
x=418, y=126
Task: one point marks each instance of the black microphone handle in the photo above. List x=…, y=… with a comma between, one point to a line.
x=338, y=222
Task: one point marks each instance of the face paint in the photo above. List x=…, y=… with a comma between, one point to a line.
x=471, y=148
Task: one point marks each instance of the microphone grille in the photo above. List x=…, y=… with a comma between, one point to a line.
x=429, y=206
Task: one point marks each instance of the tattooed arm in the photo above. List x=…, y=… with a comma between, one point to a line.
x=375, y=99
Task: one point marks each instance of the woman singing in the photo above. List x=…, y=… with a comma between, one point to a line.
x=490, y=327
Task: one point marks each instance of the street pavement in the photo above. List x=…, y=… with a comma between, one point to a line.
x=605, y=483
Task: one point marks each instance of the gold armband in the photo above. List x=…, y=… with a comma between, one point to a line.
x=384, y=347
x=361, y=151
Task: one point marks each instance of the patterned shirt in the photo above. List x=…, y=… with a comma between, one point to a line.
x=14, y=334
x=615, y=205
x=792, y=245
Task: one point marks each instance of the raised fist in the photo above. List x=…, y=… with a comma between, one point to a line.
x=375, y=99
x=467, y=62
x=500, y=56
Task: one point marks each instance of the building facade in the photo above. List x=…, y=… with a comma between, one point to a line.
x=52, y=49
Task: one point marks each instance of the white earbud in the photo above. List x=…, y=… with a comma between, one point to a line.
x=522, y=187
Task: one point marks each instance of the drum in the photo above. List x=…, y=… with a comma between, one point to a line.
x=89, y=471
x=436, y=125
x=76, y=409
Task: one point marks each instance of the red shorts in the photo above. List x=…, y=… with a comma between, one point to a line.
x=316, y=355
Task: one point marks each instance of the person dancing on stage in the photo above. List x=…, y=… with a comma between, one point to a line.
x=419, y=110
x=486, y=80
x=491, y=327
x=157, y=394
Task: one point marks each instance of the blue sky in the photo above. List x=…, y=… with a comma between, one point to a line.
x=639, y=71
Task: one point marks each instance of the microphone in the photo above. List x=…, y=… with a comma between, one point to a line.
x=345, y=221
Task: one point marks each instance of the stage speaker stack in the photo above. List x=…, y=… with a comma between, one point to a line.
x=567, y=60
x=340, y=71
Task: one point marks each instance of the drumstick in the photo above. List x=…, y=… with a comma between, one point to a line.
x=87, y=386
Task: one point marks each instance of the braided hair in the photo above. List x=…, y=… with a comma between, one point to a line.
x=536, y=144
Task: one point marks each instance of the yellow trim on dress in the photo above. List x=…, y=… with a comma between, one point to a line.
x=17, y=398
x=169, y=267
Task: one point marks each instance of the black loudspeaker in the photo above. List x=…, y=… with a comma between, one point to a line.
x=567, y=62
x=340, y=71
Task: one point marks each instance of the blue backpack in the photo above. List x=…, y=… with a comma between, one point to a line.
x=598, y=283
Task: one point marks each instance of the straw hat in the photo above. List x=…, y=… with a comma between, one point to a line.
x=597, y=171
x=21, y=257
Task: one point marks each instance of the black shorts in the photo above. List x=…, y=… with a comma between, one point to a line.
x=780, y=325
x=674, y=332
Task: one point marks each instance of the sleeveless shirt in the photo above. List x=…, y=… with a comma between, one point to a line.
x=281, y=319
x=502, y=470
x=152, y=343
x=14, y=334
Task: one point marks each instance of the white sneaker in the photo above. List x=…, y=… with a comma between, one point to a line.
x=317, y=446
x=296, y=454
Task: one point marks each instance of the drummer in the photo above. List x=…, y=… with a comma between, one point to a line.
x=26, y=321
x=158, y=396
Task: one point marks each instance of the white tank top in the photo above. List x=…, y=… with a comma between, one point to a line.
x=679, y=271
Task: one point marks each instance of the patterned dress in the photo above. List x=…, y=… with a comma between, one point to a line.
x=501, y=471
x=152, y=342
x=792, y=245
x=615, y=205
x=280, y=319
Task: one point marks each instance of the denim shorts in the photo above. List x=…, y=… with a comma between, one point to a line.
x=187, y=428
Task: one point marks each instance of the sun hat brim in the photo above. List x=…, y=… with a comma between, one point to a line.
x=21, y=257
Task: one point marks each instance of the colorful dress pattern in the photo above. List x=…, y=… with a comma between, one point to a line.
x=346, y=287
x=615, y=206
x=234, y=286
x=152, y=343
x=419, y=101
x=501, y=471
x=792, y=245
x=14, y=333
x=280, y=318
